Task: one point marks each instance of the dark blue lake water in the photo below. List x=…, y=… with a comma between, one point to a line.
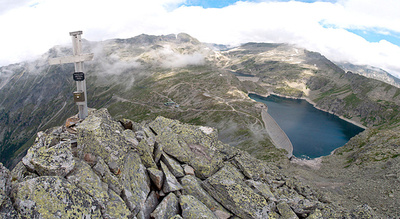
x=313, y=132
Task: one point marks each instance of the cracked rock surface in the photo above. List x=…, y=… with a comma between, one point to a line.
x=163, y=169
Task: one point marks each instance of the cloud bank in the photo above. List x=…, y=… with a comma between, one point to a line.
x=35, y=26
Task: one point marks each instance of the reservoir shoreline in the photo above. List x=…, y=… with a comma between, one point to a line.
x=314, y=105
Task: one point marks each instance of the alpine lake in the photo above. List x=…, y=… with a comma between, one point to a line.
x=313, y=132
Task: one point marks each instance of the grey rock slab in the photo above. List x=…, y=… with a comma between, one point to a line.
x=170, y=182
x=157, y=177
x=102, y=136
x=6, y=207
x=53, y=196
x=227, y=187
x=285, y=211
x=135, y=181
x=173, y=165
x=194, y=209
x=262, y=189
x=116, y=207
x=167, y=208
x=191, y=186
x=5, y=179
x=84, y=178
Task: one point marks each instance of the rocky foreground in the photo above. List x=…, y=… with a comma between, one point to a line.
x=102, y=168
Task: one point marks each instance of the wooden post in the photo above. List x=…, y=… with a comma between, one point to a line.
x=80, y=96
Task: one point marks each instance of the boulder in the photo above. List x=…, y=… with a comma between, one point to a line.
x=251, y=167
x=188, y=170
x=103, y=137
x=228, y=188
x=145, y=155
x=173, y=165
x=158, y=152
x=113, y=182
x=6, y=207
x=116, y=207
x=285, y=211
x=168, y=207
x=157, y=177
x=135, y=182
x=5, y=179
x=150, y=205
x=191, y=186
x=50, y=156
x=262, y=189
x=170, y=182
x=193, y=208
x=84, y=178
x=189, y=144
x=53, y=197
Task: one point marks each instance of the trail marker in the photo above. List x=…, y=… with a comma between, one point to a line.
x=78, y=58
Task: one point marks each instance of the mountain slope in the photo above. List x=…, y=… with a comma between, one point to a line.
x=134, y=78
x=178, y=77
x=370, y=72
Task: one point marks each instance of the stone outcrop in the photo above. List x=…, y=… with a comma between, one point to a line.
x=101, y=168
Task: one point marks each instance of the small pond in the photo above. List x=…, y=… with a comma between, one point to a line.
x=313, y=132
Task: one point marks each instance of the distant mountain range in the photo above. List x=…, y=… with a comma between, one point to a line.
x=178, y=77
x=370, y=72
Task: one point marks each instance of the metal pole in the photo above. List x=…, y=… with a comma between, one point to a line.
x=81, y=85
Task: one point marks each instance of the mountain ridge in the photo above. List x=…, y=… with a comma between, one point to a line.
x=209, y=88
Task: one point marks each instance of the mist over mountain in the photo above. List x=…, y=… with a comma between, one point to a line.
x=371, y=72
x=208, y=85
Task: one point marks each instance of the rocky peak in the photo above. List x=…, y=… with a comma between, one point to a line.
x=103, y=168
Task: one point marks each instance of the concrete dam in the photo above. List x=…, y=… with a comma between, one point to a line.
x=278, y=136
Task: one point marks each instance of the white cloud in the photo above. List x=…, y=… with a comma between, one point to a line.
x=33, y=30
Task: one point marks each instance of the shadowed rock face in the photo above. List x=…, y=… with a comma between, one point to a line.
x=115, y=173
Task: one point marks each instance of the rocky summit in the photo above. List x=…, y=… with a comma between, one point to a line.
x=104, y=168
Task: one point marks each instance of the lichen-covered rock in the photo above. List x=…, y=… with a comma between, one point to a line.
x=193, y=208
x=149, y=206
x=173, y=166
x=6, y=207
x=262, y=189
x=53, y=197
x=189, y=144
x=315, y=215
x=50, y=156
x=5, y=179
x=145, y=151
x=116, y=207
x=170, y=183
x=228, y=188
x=188, y=170
x=191, y=186
x=285, y=211
x=251, y=167
x=168, y=207
x=107, y=176
x=84, y=178
x=157, y=177
x=135, y=181
x=102, y=136
x=363, y=211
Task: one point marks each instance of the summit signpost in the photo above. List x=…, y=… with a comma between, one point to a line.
x=78, y=58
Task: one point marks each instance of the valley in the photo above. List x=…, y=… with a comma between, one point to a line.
x=134, y=78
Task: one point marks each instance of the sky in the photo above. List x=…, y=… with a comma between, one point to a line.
x=365, y=32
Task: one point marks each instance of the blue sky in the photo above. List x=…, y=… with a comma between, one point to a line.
x=224, y=3
x=369, y=34
x=357, y=31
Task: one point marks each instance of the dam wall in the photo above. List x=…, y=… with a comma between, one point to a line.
x=278, y=136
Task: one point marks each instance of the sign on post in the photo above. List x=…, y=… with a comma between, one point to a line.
x=78, y=58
